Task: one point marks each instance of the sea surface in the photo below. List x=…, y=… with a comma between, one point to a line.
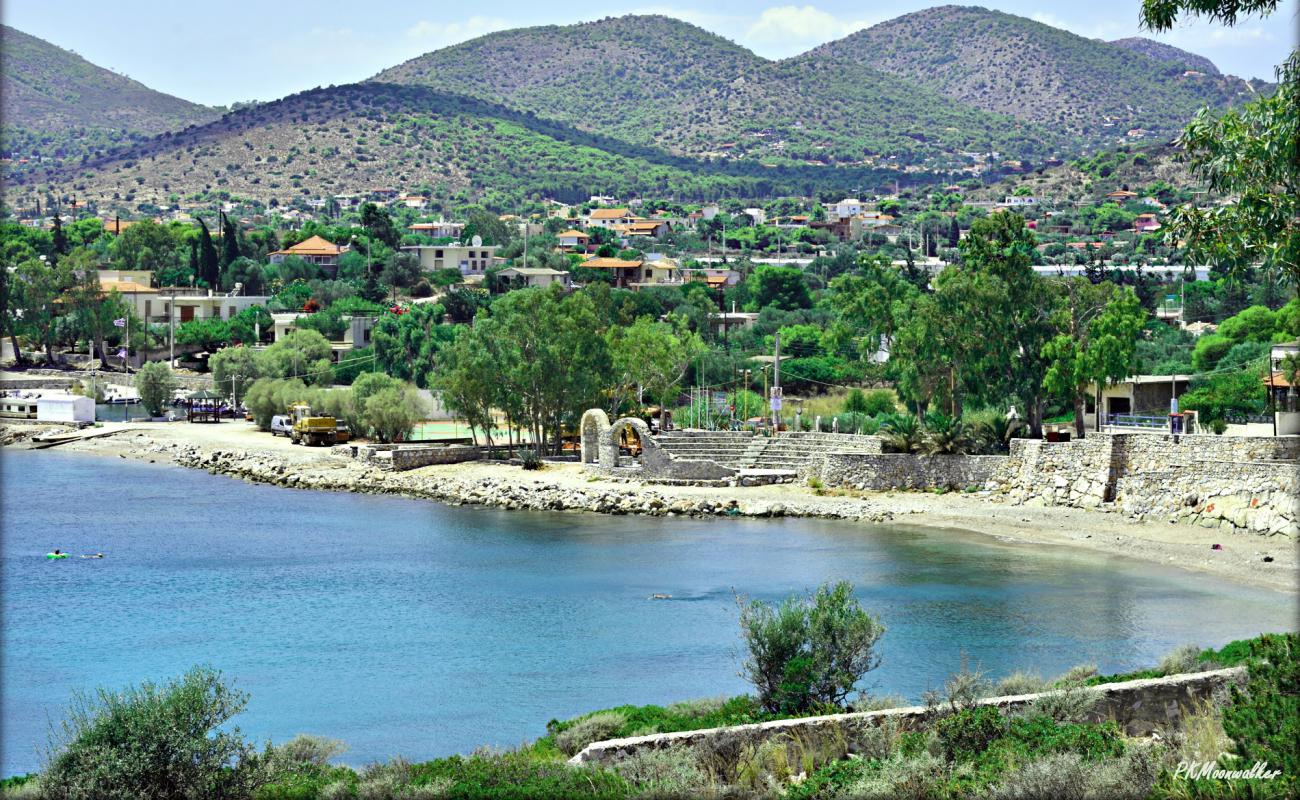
x=408, y=627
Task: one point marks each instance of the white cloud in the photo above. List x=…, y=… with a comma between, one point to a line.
x=433, y=35
x=798, y=26
x=1049, y=19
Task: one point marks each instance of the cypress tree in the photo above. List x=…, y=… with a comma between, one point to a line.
x=229, y=241
x=194, y=259
x=60, y=240
x=209, y=264
x=954, y=233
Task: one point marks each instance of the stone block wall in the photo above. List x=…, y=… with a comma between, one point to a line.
x=1236, y=483
x=1139, y=707
x=883, y=471
x=401, y=457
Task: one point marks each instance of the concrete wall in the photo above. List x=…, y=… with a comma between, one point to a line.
x=1139, y=707
x=883, y=471
x=62, y=379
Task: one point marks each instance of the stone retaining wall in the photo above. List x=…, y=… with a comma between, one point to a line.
x=1237, y=483
x=63, y=379
x=884, y=471
x=1139, y=707
x=401, y=457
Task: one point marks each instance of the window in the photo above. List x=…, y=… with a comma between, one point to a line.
x=437, y=254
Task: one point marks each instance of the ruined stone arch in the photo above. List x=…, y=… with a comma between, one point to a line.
x=610, y=441
x=593, y=429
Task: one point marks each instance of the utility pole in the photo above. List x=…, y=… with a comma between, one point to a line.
x=776, y=386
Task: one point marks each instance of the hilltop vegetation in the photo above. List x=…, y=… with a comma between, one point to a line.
x=1011, y=65
x=661, y=81
x=59, y=104
x=1167, y=52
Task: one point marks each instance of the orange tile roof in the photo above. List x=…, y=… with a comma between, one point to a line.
x=609, y=263
x=609, y=213
x=315, y=246
x=126, y=287
x=572, y=234
x=117, y=226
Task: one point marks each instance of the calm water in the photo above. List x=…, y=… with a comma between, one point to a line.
x=408, y=627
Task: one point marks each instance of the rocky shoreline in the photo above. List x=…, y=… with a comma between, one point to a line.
x=538, y=495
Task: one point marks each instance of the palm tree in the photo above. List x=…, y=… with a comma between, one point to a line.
x=1291, y=373
x=901, y=433
x=946, y=436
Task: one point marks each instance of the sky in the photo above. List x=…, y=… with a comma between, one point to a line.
x=239, y=50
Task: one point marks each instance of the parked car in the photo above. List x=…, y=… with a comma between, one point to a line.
x=281, y=424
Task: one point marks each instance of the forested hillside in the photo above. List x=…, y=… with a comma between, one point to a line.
x=57, y=103
x=999, y=62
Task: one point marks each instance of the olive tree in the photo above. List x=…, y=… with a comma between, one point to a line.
x=808, y=653
x=155, y=383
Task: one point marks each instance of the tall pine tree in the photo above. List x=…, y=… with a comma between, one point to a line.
x=209, y=264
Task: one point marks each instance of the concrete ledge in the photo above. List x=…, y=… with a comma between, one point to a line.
x=1138, y=707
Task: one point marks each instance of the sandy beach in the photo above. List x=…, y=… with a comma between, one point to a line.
x=240, y=450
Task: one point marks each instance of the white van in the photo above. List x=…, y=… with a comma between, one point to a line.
x=281, y=423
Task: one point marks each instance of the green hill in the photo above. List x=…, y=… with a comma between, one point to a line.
x=58, y=103
x=660, y=81
x=353, y=138
x=998, y=62
x=1168, y=53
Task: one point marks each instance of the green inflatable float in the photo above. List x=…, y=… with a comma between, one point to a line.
x=55, y=555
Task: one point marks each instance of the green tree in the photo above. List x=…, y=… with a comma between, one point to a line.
x=808, y=653
x=392, y=412
x=229, y=242
x=301, y=354
x=208, y=333
x=406, y=344
x=1251, y=153
x=466, y=377
x=379, y=225
x=778, y=287
x=34, y=289
x=209, y=264
x=401, y=270
x=654, y=356
x=156, y=384
x=234, y=369
x=91, y=311
x=1098, y=328
x=169, y=741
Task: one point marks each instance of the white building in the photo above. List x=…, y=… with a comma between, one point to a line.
x=65, y=408
x=438, y=230
x=469, y=259
x=848, y=207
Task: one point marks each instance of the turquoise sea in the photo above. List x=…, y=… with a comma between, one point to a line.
x=407, y=627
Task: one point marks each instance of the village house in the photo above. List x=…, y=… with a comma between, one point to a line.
x=321, y=252
x=608, y=217
x=414, y=201
x=1137, y=401
x=1121, y=195
x=438, y=230
x=1019, y=201
x=356, y=335
x=641, y=228
x=625, y=272
x=573, y=239
x=1146, y=223
x=469, y=259
x=534, y=277
x=848, y=207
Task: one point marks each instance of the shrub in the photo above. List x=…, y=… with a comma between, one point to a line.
x=390, y=413
x=1264, y=718
x=1076, y=674
x=809, y=652
x=595, y=728
x=155, y=383
x=1071, y=703
x=969, y=731
x=530, y=459
x=1061, y=776
x=1019, y=682
x=1186, y=658
x=900, y=777
x=670, y=772
x=516, y=775
x=307, y=749
x=421, y=289
x=901, y=433
x=168, y=741
x=963, y=689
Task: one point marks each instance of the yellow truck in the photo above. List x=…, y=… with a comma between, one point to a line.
x=311, y=430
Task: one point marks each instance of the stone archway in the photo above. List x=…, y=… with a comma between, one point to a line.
x=610, y=441
x=594, y=425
